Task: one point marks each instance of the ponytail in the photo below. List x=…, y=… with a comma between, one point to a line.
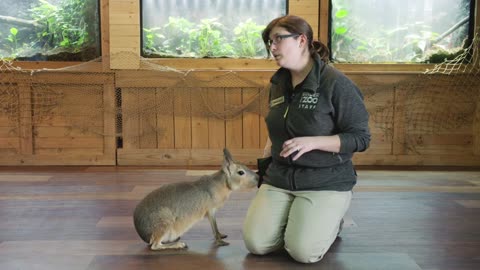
x=321, y=49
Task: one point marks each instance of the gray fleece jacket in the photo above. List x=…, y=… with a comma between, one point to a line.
x=325, y=103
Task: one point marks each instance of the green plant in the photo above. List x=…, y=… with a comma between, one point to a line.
x=181, y=37
x=177, y=36
x=355, y=41
x=12, y=37
x=248, y=38
x=440, y=55
x=208, y=36
x=70, y=25
x=150, y=37
x=344, y=40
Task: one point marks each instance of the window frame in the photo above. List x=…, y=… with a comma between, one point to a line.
x=117, y=15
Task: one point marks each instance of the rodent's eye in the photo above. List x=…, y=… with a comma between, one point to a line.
x=241, y=172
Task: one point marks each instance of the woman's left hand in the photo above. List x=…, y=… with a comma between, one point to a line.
x=298, y=146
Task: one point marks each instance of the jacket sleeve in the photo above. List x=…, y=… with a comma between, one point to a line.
x=351, y=116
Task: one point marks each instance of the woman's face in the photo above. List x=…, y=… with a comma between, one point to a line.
x=285, y=47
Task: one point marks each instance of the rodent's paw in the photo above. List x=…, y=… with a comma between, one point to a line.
x=220, y=243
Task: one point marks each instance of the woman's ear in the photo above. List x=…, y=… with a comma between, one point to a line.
x=303, y=40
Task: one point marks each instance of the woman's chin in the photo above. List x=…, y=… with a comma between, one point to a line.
x=278, y=61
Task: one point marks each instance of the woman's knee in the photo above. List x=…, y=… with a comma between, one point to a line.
x=254, y=247
x=260, y=243
x=306, y=253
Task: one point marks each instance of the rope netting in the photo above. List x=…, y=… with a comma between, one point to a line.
x=441, y=100
x=73, y=102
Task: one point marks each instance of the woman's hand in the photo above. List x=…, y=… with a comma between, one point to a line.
x=301, y=145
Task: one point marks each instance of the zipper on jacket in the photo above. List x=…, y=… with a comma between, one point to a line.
x=285, y=114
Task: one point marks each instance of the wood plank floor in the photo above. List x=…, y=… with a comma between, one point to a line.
x=81, y=218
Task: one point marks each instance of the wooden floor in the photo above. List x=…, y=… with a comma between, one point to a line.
x=81, y=218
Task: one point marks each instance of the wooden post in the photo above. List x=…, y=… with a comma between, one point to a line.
x=105, y=30
x=307, y=9
x=323, y=20
x=124, y=34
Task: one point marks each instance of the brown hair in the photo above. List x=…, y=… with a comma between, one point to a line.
x=297, y=25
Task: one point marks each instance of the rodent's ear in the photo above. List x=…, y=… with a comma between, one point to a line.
x=227, y=155
x=227, y=161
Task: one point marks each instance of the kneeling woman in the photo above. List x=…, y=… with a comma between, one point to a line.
x=317, y=120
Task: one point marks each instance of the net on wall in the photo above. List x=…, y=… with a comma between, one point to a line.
x=72, y=103
x=54, y=102
x=442, y=100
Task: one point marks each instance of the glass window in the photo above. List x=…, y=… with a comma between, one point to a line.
x=207, y=28
x=49, y=30
x=392, y=31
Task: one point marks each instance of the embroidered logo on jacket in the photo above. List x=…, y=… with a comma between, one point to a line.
x=308, y=101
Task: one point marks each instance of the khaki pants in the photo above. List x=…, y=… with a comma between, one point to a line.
x=305, y=223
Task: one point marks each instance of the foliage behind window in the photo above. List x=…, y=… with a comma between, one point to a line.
x=66, y=30
x=199, y=28
x=392, y=31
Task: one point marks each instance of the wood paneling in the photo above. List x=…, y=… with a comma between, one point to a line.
x=130, y=118
x=251, y=119
x=165, y=118
x=234, y=126
x=216, y=124
x=63, y=118
x=476, y=127
x=388, y=97
x=182, y=118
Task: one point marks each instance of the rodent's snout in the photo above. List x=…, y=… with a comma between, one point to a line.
x=255, y=179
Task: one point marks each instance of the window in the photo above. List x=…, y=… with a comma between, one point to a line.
x=49, y=30
x=207, y=28
x=392, y=31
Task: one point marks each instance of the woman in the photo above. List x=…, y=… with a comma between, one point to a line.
x=317, y=120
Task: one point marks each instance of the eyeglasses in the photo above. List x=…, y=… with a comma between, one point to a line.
x=278, y=38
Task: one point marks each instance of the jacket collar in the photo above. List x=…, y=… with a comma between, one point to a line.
x=312, y=81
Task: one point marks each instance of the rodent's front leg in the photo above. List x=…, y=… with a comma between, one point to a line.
x=213, y=223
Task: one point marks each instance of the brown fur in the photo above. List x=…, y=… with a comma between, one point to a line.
x=171, y=210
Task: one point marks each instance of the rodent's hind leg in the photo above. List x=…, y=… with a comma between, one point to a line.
x=168, y=241
x=173, y=245
x=160, y=239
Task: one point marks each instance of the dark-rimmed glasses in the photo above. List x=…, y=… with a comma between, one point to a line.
x=278, y=38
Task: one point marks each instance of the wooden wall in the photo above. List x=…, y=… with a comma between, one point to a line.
x=57, y=118
x=395, y=103
x=192, y=140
